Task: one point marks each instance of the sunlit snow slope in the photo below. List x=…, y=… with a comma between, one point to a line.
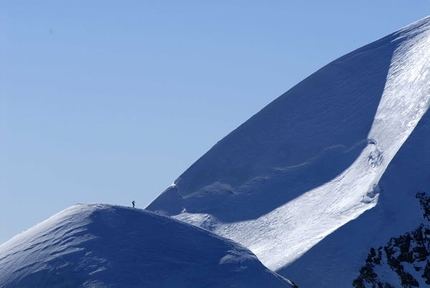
x=312, y=160
x=112, y=246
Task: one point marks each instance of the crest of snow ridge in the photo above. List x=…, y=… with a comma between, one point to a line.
x=112, y=246
x=312, y=159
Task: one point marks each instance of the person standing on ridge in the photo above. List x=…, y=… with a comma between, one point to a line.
x=132, y=202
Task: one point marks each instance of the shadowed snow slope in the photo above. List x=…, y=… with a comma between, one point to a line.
x=397, y=212
x=111, y=246
x=313, y=159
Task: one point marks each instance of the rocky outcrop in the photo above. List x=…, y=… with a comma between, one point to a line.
x=407, y=256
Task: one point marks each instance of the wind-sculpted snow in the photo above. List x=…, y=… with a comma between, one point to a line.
x=312, y=160
x=112, y=246
x=303, y=139
x=397, y=212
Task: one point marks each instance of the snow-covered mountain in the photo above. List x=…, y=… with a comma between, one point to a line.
x=326, y=185
x=325, y=172
x=113, y=246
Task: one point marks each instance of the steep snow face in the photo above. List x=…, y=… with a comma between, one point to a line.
x=111, y=246
x=311, y=161
x=397, y=212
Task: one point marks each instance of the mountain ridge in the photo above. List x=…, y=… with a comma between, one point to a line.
x=102, y=245
x=308, y=186
x=317, y=157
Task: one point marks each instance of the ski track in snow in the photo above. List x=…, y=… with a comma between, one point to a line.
x=306, y=220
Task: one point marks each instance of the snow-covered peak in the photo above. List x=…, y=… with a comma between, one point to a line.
x=113, y=246
x=312, y=160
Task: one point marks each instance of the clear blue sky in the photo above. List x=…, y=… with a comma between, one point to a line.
x=110, y=101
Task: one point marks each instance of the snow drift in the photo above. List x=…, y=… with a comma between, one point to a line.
x=112, y=246
x=319, y=156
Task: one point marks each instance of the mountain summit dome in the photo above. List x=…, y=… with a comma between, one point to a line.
x=112, y=246
x=352, y=137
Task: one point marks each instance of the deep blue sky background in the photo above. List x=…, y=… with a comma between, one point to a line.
x=110, y=101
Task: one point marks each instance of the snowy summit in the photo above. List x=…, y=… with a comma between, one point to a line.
x=352, y=137
x=113, y=246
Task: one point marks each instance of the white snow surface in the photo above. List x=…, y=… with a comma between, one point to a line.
x=112, y=246
x=313, y=160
